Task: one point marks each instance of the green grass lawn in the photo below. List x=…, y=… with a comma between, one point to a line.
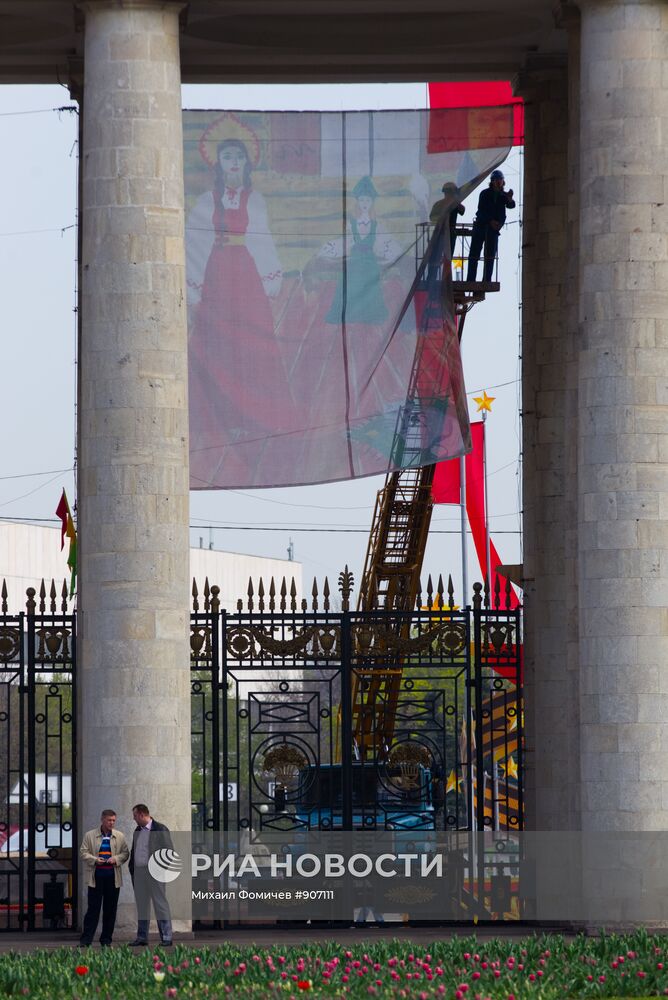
x=544, y=968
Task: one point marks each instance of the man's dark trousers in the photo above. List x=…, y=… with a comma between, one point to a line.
x=482, y=234
x=104, y=896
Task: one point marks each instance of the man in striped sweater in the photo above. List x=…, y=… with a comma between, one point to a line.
x=103, y=851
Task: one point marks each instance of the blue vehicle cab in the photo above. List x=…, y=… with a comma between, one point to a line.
x=383, y=797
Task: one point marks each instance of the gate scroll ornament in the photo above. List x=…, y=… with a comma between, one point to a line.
x=383, y=639
x=250, y=641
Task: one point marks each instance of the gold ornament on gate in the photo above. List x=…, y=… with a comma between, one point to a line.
x=408, y=757
x=284, y=762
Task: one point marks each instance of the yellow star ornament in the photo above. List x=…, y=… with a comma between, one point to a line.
x=452, y=783
x=484, y=402
x=511, y=768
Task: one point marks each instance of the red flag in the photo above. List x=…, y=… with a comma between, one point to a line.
x=63, y=512
x=67, y=528
x=447, y=484
x=480, y=94
x=446, y=489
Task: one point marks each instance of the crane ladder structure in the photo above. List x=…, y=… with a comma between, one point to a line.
x=403, y=509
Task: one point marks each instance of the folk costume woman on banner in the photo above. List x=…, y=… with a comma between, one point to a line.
x=238, y=383
x=356, y=284
x=362, y=301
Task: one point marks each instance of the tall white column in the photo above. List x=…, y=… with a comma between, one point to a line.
x=623, y=417
x=134, y=707
x=549, y=413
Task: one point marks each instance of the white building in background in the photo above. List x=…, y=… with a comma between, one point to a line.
x=50, y=789
x=31, y=553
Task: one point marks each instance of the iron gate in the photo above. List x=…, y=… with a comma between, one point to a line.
x=274, y=746
x=38, y=870
x=272, y=725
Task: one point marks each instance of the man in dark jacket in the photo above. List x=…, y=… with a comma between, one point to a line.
x=488, y=222
x=149, y=837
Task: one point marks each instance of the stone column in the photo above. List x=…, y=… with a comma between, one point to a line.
x=549, y=458
x=623, y=419
x=134, y=696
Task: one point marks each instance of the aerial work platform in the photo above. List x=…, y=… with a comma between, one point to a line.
x=401, y=519
x=465, y=293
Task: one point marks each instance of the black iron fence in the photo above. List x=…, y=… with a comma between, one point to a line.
x=308, y=715
x=38, y=869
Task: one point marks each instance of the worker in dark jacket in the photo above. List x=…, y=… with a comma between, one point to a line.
x=489, y=220
x=149, y=837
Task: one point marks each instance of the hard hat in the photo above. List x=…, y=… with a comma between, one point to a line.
x=497, y=176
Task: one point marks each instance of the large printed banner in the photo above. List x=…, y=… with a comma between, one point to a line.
x=321, y=346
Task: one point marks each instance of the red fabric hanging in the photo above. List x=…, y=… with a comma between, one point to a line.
x=479, y=94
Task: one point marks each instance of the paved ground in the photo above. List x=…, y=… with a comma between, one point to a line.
x=282, y=937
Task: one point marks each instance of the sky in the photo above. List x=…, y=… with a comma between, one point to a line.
x=326, y=527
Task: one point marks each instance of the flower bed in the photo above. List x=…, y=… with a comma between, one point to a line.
x=457, y=968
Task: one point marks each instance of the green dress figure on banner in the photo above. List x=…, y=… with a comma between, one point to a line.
x=358, y=296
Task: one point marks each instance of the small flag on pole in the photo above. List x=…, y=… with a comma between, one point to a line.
x=67, y=529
